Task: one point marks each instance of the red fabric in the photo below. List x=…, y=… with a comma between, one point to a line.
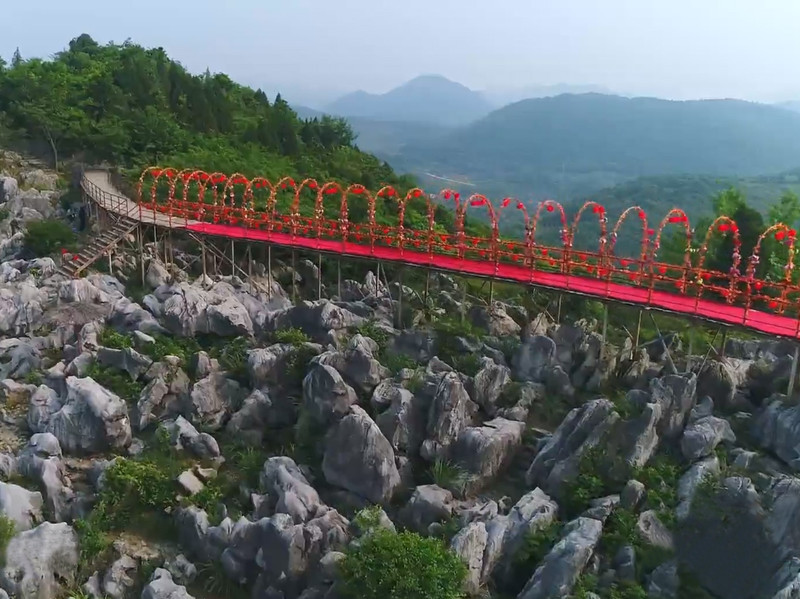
x=773, y=324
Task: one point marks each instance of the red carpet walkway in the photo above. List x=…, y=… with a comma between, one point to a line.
x=773, y=324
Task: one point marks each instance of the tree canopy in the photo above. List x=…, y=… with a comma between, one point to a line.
x=134, y=106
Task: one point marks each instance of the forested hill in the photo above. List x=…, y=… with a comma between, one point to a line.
x=133, y=106
x=571, y=145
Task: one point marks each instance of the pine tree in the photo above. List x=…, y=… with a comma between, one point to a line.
x=16, y=60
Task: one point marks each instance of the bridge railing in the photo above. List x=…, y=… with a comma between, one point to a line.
x=327, y=212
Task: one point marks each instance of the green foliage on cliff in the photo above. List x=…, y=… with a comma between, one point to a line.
x=386, y=565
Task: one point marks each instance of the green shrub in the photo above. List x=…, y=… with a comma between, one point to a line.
x=449, y=476
x=182, y=347
x=468, y=364
x=535, y=547
x=587, y=485
x=116, y=381
x=373, y=331
x=108, y=337
x=396, y=361
x=387, y=565
x=34, y=377
x=293, y=336
x=132, y=487
x=660, y=478
x=45, y=237
x=7, y=531
x=233, y=357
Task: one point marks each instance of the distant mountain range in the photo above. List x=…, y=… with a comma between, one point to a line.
x=570, y=145
x=426, y=99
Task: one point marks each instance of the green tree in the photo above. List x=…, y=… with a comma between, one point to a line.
x=387, y=565
x=16, y=59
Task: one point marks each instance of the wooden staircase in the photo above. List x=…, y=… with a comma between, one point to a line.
x=99, y=246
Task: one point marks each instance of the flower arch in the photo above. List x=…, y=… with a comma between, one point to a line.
x=782, y=233
x=478, y=201
x=553, y=206
x=726, y=226
x=660, y=271
x=625, y=263
x=519, y=206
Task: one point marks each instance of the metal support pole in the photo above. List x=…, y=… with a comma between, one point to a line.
x=339, y=278
x=203, y=258
x=319, y=275
x=689, y=353
x=294, y=276
x=558, y=313
x=427, y=284
x=722, y=346
x=400, y=300
x=670, y=363
x=491, y=292
x=464, y=302
x=605, y=322
x=636, y=339
x=141, y=251
x=249, y=261
x=233, y=258
x=793, y=371
x=110, y=267
x=269, y=271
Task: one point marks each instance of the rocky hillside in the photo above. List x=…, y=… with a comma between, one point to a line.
x=203, y=437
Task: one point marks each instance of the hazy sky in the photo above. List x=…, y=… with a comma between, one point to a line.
x=314, y=50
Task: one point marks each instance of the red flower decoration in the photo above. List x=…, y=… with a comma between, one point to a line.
x=456, y=195
x=674, y=219
x=589, y=269
x=478, y=202
x=75, y=257
x=544, y=251
x=779, y=235
x=791, y=233
x=581, y=257
x=642, y=215
x=773, y=304
x=446, y=195
x=550, y=208
x=632, y=276
x=624, y=263
x=312, y=185
x=759, y=285
x=520, y=205
x=723, y=227
x=417, y=193
x=650, y=232
x=706, y=276
x=64, y=251
x=506, y=202
x=358, y=190
x=662, y=270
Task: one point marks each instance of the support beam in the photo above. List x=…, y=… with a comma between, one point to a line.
x=491, y=293
x=400, y=300
x=294, y=276
x=793, y=374
x=269, y=271
x=249, y=262
x=140, y=243
x=636, y=339
x=427, y=285
x=670, y=363
x=558, y=313
x=203, y=258
x=319, y=275
x=464, y=302
x=722, y=345
x=233, y=258
x=339, y=278
x=605, y=322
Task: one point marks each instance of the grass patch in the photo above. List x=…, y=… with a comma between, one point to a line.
x=7, y=531
x=449, y=476
x=182, y=347
x=47, y=236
